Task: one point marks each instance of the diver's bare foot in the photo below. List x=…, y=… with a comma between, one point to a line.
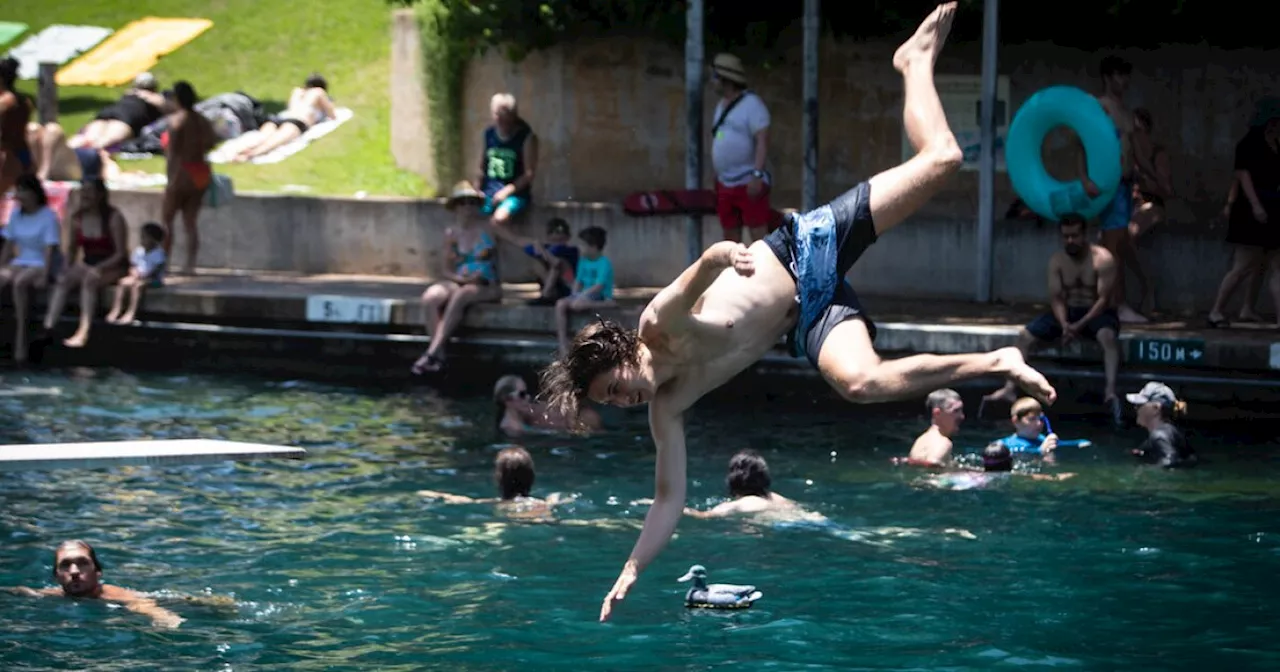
x=928, y=39
x=1010, y=363
x=77, y=340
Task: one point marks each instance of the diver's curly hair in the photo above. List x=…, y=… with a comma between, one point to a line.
x=601, y=346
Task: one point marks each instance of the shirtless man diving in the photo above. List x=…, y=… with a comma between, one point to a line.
x=732, y=305
x=1080, y=278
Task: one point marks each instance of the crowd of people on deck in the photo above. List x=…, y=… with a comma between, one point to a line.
x=90, y=249
x=713, y=322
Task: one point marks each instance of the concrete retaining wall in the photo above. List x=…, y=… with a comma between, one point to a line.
x=927, y=258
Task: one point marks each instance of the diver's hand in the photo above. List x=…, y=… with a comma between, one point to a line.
x=743, y=261
x=619, y=592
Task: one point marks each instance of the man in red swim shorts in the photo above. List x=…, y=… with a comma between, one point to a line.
x=739, y=152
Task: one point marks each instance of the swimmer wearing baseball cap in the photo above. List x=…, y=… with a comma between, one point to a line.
x=1166, y=446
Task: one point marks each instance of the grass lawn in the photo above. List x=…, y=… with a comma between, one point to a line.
x=264, y=48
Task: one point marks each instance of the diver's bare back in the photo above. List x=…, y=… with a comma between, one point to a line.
x=735, y=322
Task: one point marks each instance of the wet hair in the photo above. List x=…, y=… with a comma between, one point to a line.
x=185, y=94
x=32, y=183
x=996, y=457
x=1024, y=407
x=513, y=472
x=8, y=71
x=153, y=231
x=315, y=81
x=556, y=224
x=502, y=390
x=75, y=543
x=939, y=399
x=748, y=475
x=1143, y=115
x=594, y=236
x=601, y=347
x=1114, y=65
x=1073, y=219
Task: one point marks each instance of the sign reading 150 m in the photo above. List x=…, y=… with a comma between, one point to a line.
x=349, y=309
x=1167, y=351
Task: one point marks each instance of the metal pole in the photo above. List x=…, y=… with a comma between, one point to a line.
x=987, y=162
x=693, y=68
x=809, y=126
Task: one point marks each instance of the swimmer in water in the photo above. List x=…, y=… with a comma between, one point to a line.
x=997, y=467
x=1026, y=414
x=518, y=413
x=513, y=473
x=1166, y=446
x=750, y=487
x=933, y=447
x=79, y=574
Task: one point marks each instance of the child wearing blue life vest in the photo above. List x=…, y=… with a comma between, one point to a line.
x=1028, y=426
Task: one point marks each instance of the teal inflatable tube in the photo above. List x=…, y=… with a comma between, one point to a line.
x=1062, y=106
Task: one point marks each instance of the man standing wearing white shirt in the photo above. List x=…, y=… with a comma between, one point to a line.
x=739, y=152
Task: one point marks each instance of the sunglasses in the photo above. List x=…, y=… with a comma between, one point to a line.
x=520, y=394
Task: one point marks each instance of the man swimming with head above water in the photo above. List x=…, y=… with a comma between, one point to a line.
x=933, y=447
x=513, y=474
x=732, y=306
x=79, y=575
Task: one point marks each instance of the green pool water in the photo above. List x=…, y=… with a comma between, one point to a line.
x=333, y=563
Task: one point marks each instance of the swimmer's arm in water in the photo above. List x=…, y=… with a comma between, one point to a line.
x=557, y=499
x=32, y=592
x=668, y=499
x=456, y=499
x=1049, y=477
x=721, y=510
x=672, y=306
x=145, y=606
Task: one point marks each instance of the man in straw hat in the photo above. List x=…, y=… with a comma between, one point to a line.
x=739, y=152
x=732, y=305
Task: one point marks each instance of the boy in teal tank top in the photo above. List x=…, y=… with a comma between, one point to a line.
x=592, y=284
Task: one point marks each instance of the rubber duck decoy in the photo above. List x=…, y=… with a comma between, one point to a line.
x=716, y=595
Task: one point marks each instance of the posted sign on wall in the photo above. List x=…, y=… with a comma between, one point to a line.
x=961, y=97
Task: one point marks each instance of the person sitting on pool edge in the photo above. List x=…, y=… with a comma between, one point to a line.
x=519, y=413
x=514, y=474
x=933, y=447
x=78, y=572
x=1166, y=446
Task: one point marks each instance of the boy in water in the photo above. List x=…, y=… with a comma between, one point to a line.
x=148, y=263
x=79, y=575
x=933, y=447
x=997, y=467
x=1028, y=425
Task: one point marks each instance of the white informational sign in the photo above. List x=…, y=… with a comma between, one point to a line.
x=349, y=309
x=961, y=96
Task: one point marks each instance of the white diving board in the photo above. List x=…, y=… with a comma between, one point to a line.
x=45, y=456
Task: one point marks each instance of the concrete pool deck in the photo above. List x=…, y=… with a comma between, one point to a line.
x=382, y=307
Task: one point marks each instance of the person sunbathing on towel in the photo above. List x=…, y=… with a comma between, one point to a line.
x=138, y=108
x=308, y=106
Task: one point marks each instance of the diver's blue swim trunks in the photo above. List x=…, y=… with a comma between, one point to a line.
x=818, y=248
x=1120, y=210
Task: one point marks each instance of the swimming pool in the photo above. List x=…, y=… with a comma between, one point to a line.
x=335, y=564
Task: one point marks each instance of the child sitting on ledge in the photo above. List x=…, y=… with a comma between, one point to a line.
x=146, y=270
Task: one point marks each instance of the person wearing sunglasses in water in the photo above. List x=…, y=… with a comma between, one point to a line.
x=518, y=413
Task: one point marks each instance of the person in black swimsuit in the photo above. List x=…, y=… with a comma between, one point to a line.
x=1166, y=445
x=125, y=118
x=1252, y=224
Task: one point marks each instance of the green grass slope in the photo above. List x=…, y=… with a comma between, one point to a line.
x=264, y=48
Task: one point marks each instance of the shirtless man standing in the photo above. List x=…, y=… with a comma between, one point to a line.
x=1080, y=278
x=732, y=305
x=933, y=447
x=1114, y=220
x=79, y=575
